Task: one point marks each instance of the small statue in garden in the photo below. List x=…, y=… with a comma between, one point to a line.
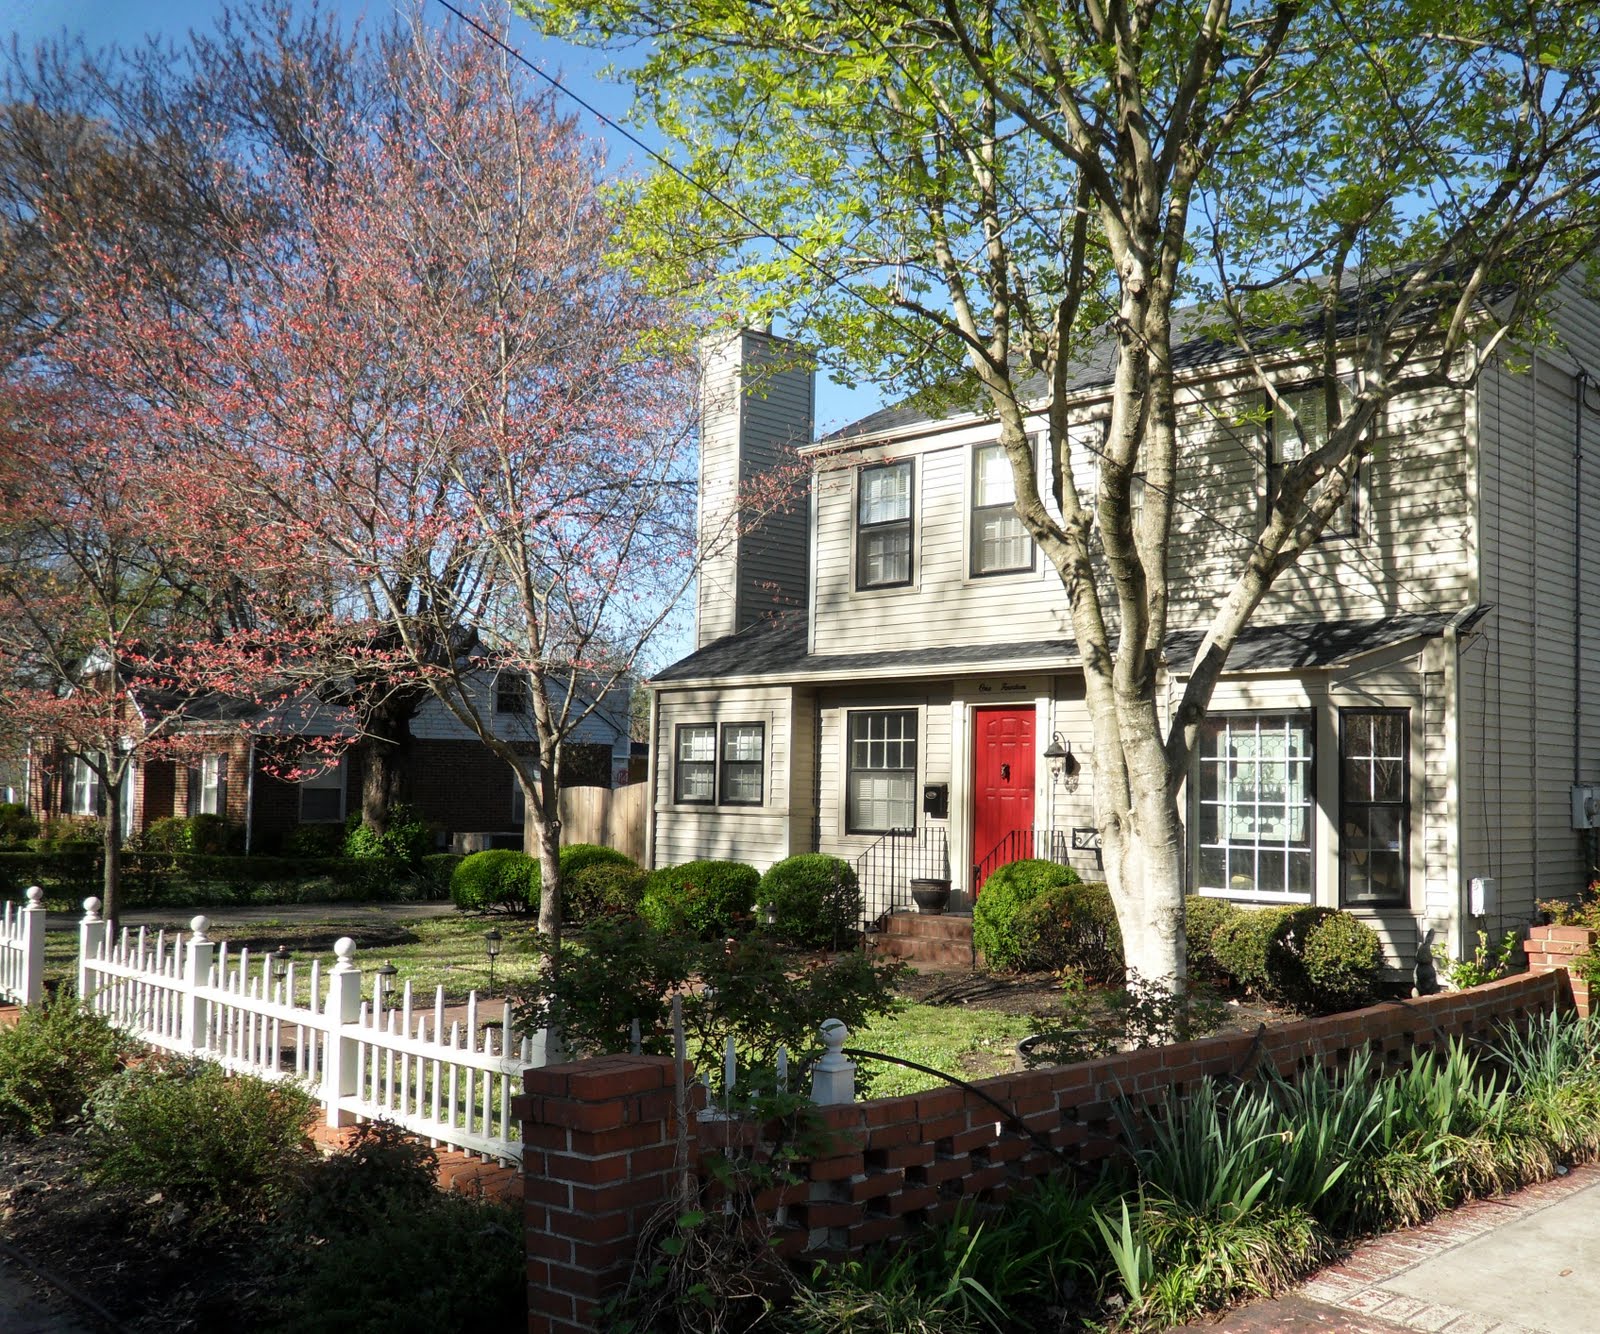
x=1426, y=974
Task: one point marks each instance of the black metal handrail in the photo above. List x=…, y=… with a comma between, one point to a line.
x=1044, y=844
x=887, y=868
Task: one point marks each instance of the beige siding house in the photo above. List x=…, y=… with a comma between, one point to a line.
x=1400, y=731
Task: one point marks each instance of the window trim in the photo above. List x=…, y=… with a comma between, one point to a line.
x=975, y=513
x=343, y=771
x=1350, y=529
x=1308, y=717
x=678, y=762
x=92, y=785
x=1403, y=806
x=724, y=763
x=197, y=784
x=862, y=530
x=850, y=715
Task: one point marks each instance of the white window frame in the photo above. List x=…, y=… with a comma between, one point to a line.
x=865, y=530
x=83, y=788
x=210, y=798
x=1242, y=845
x=994, y=510
x=320, y=783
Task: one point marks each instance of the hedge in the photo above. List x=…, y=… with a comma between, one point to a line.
x=1072, y=928
x=1317, y=959
x=815, y=898
x=1003, y=895
x=701, y=898
x=496, y=880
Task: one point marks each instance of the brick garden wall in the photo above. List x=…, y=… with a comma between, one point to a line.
x=599, y=1137
x=1552, y=948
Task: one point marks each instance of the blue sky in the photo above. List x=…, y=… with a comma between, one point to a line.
x=128, y=22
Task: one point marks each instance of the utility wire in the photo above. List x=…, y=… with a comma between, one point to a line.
x=832, y=280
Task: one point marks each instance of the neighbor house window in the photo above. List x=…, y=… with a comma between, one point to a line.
x=883, y=526
x=208, y=786
x=1253, y=807
x=1294, y=436
x=83, y=793
x=695, y=778
x=1374, y=807
x=511, y=693
x=322, y=796
x=743, y=764
x=881, y=784
x=1000, y=542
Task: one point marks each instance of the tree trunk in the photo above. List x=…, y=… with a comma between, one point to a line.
x=111, y=875
x=541, y=839
x=383, y=774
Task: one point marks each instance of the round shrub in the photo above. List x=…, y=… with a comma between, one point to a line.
x=1239, y=946
x=17, y=826
x=1341, y=956
x=407, y=838
x=1201, y=919
x=1316, y=959
x=51, y=1060
x=498, y=880
x=701, y=898
x=1071, y=927
x=816, y=900
x=577, y=857
x=602, y=889
x=1003, y=895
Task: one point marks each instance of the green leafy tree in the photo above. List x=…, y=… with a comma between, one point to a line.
x=956, y=197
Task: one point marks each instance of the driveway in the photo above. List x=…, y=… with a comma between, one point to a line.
x=1526, y=1264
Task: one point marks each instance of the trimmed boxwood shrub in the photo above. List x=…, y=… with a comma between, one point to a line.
x=816, y=900
x=1201, y=919
x=701, y=898
x=1071, y=927
x=595, y=886
x=498, y=880
x=577, y=857
x=1317, y=959
x=17, y=826
x=1002, y=897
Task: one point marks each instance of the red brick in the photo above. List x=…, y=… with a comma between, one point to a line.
x=872, y=1187
x=578, y=1282
x=888, y=1137
x=940, y=1103
x=617, y=1076
x=918, y=1197
x=834, y=1169
x=979, y=1137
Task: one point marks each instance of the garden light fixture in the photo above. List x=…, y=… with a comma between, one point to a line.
x=491, y=944
x=383, y=982
x=280, y=964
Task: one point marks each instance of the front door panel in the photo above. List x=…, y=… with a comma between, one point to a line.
x=1002, y=783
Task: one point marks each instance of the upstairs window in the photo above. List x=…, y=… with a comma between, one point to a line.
x=881, y=787
x=208, y=786
x=1374, y=808
x=1253, y=799
x=1000, y=542
x=1292, y=437
x=883, y=525
x=511, y=692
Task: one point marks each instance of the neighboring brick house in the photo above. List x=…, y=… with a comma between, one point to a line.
x=453, y=781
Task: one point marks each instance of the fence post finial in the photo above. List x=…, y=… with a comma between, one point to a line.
x=342, y=1036
x=833, y=1077
x=199, y=925
x=91, y=941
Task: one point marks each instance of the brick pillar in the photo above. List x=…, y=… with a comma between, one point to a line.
x=599, y=1140
x=1550, y=948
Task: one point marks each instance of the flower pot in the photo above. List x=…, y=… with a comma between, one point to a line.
x=930, y=896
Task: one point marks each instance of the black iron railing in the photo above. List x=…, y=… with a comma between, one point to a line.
x=888, y=867
x=1052, y=845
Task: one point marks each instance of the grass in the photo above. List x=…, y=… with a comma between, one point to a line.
x=960, y=1040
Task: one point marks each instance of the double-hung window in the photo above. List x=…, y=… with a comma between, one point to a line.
x=1254, y=807
x=1000, y=542
x=322, y=796
x=1300, y=427
x=724, y=767
x=881, y=783
x=84, y=796
x=208, y=786
x=883, y=525
x=1374, y=807
x=511, y=692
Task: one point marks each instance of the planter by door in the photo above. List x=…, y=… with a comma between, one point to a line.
x=930, y=896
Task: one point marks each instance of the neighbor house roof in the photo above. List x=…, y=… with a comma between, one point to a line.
x=777, y=648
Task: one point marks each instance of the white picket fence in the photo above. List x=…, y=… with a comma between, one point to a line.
x=364, y=1059
x=22, y=950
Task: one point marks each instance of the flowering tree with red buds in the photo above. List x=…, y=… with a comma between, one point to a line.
x=452, y=439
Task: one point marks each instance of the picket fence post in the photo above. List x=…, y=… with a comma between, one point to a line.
x=33, y=946
x=196, y=973
x=341, y=1013
x=91, y=939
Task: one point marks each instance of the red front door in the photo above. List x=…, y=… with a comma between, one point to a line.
x=1002, y=786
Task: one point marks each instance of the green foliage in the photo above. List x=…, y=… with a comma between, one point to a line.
x=1584, y=911
x=208, y=835
x=406, y=840
x=1488, y=963
x=498, y=880
x=994, y=916
x=1070, y=927
x=70, y=833
x=816, y=900
x=598, y=881
x=434, y=873
x=1202, y=917
x=702, y=898
x=318, y=841
x=224, y=1144
x=51, y=1060
x=1316, y=959
x=17, y=826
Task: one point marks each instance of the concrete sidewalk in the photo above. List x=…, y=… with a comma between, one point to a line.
x=223, y=915
x=1525, y=1264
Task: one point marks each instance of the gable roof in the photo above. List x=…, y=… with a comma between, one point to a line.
x=777, y=648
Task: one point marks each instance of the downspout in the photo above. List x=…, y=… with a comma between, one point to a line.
x=1452, y=663
x=1581, y=384
x=249, y=795
x=650, y=778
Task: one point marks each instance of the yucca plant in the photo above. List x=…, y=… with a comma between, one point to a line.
x=1553, y=1064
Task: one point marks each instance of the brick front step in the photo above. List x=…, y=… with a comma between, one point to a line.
x=927, y=940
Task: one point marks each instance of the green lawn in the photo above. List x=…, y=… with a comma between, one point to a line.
x=961, y=1040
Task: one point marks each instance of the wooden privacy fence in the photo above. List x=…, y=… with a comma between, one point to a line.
x=611, y=816
x=449, y=1079
x=22, y=950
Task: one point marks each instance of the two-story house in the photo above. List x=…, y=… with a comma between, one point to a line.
x=1403, y=730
